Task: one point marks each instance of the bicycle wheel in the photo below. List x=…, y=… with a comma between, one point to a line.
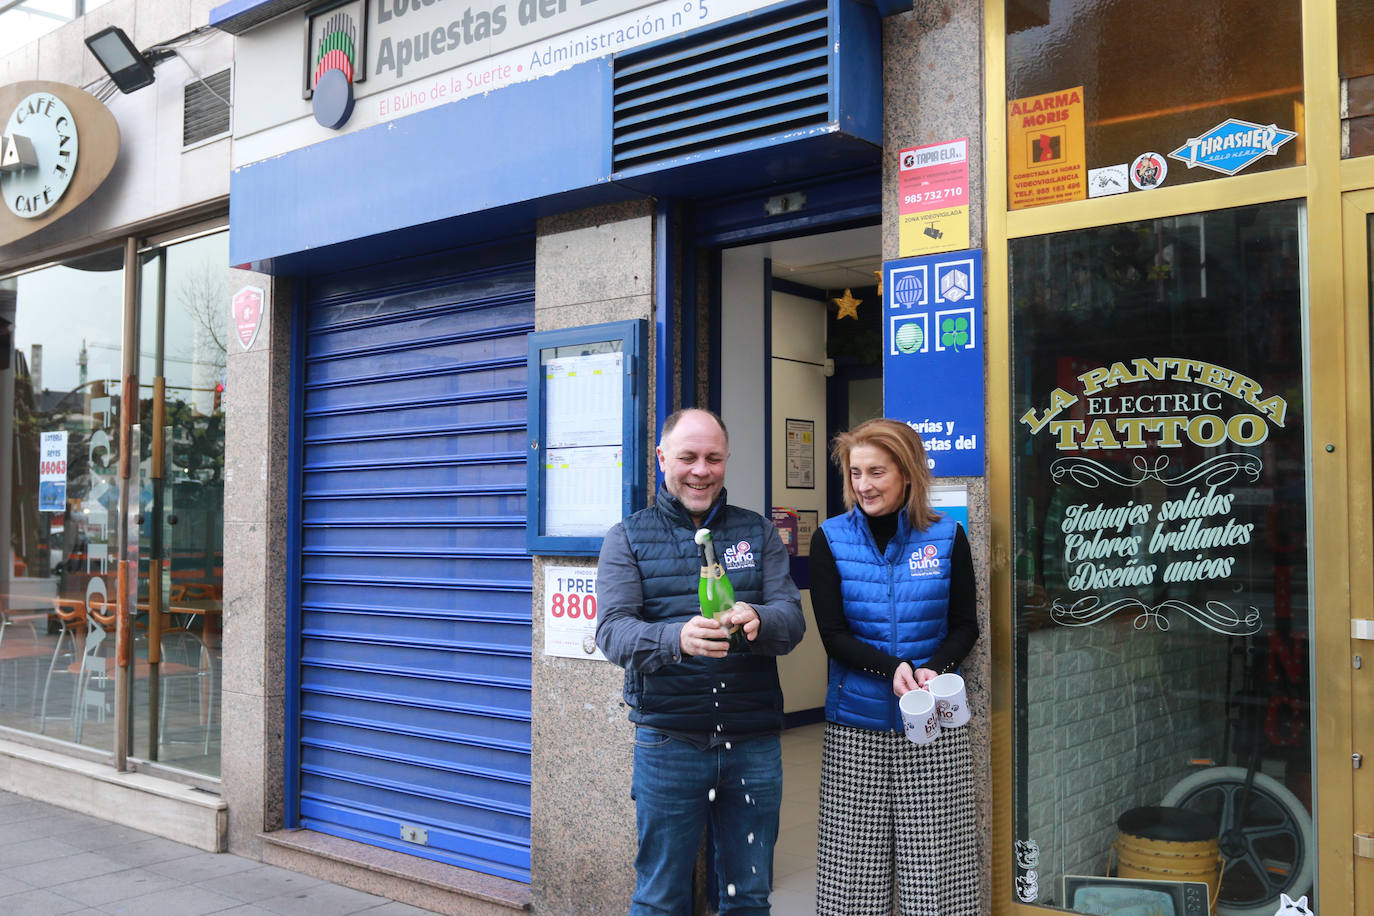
x=1272, y=852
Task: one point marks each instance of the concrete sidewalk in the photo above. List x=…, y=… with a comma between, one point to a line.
x=54, y=861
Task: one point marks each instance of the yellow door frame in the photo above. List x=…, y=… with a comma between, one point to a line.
x=1338, y=417
x=1356, y=209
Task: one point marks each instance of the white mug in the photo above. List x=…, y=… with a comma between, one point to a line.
x=919, y=716
x=951, y=699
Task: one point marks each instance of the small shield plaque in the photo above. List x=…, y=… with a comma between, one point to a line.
x=247, y=305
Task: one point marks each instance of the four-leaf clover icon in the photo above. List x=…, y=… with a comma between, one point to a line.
x=954, y=332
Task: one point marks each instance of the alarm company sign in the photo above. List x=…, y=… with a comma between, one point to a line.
x=57, y=144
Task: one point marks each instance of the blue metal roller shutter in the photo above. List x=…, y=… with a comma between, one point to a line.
x=415, y=587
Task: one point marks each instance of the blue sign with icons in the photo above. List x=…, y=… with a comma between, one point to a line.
x=933, y=356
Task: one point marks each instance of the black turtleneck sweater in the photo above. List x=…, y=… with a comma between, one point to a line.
x=840, y=642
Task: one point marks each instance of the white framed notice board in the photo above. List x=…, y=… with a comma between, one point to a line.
x=587, y=390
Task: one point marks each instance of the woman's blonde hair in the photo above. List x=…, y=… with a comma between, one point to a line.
x=908, y=453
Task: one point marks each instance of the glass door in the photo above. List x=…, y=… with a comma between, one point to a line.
x=1162, y=616
x=184, y=329
x=61, y=400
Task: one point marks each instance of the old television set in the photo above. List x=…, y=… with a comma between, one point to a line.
x=1134, y=896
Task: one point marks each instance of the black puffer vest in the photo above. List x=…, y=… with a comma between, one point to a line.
x=738, y=694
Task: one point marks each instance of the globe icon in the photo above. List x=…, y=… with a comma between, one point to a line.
x=907, y=290
x=909, y=337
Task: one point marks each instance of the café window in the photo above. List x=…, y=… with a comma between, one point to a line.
x=1162, y=614
x=61, y=394
x=63, y=407
x=182, y=373
x=1121, y=97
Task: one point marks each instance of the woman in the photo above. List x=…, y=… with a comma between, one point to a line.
x=890, y=625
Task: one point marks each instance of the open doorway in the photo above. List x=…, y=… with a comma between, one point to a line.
x=800, y=325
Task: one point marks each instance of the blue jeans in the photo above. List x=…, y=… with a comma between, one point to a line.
x=672, y=788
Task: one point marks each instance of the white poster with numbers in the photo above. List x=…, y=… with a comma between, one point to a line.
x=570, y=612
x=52, y=471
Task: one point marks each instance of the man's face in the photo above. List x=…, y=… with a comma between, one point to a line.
x=692, y=458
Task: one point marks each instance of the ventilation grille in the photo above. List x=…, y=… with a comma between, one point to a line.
x=749, y=79
x=205, y=108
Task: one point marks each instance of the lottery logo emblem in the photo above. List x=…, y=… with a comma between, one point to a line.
x=335, y=48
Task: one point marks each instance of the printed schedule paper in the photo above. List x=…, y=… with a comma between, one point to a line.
x=582, y=495
x=584, y=401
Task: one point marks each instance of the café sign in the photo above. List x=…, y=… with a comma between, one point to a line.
x=58, y=144
x=38, y=152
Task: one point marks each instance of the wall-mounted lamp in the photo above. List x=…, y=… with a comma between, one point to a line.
x=128, y=67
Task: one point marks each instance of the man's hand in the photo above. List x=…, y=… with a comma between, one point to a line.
x=704, y=636
x=742, y=615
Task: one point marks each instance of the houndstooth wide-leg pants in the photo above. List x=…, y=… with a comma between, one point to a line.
x=884, y=798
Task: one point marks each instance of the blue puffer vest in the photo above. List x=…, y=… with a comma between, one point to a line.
x=897, y=601
x=738, y=694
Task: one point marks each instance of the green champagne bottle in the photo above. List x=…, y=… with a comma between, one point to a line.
x=714, y=591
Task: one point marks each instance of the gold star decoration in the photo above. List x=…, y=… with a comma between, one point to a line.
x=878, y=275
x=849, y=306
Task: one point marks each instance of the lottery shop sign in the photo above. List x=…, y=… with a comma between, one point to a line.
x=570, y=612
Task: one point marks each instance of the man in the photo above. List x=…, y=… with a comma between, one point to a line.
x=708, y=715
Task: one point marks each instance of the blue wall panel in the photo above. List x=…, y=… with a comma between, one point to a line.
x=478, y=167
x=414, y=586
x=527, y=141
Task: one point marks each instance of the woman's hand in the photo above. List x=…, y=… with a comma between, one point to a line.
x=904, y=680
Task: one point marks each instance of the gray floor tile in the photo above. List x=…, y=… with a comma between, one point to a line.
x=26, y=810
x=48, y=872
x=396, y=908
x=105, y=836
x=12, y=833
x=35, y=850
x=61, y=822
x=39, y=903
x=183, y=901
x=203, y=866
x=260, y=883
x=146, y=852
x=322, y=900
x=55, y=862
x=12, y=886
x=119, y=885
